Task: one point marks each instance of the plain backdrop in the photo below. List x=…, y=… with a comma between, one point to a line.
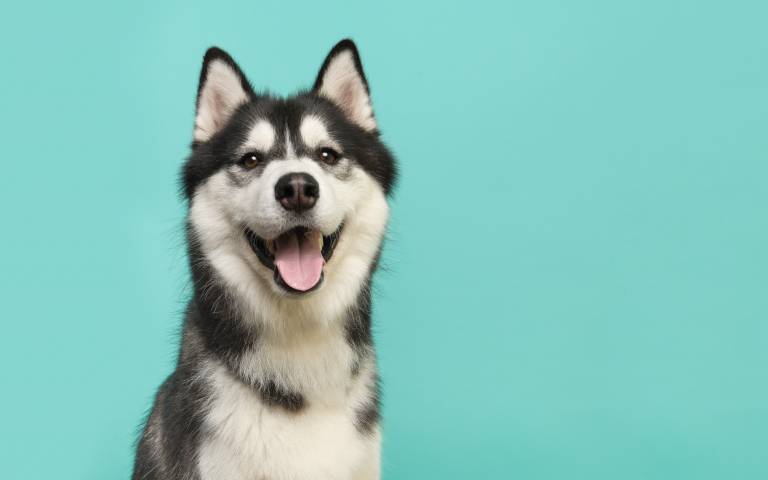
x=575, y=282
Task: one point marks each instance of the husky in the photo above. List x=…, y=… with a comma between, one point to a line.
x=287, y=200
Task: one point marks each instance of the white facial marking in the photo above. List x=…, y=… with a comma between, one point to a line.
x=220, y=96
x=290, y=153
x=343, y=85
x=261, y=137
x=314, y=134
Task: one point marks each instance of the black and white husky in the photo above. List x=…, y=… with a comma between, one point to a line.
x=276, y=376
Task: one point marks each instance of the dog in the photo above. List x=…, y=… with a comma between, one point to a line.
x=287, y=198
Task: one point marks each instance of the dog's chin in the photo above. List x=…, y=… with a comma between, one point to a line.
x=297, y=257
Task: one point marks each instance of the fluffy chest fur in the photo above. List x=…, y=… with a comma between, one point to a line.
x=243, y=437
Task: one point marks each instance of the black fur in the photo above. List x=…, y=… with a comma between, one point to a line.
x=211, y=313
x=213, y=327
x=180, y=406
x=273, y=395
x=368, y=415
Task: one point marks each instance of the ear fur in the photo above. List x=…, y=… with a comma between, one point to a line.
x=222, y=89
x=342, y=81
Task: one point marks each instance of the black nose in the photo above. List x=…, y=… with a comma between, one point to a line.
x=297, y=192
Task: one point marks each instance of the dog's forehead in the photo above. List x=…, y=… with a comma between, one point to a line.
x=287, y=130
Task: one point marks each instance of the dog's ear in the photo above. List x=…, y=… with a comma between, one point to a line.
x=342, y=81
x=222, y=89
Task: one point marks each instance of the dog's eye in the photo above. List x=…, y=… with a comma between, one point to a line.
x=250, y=160
x=328, y=155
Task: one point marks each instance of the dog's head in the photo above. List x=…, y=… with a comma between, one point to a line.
x=288, y=195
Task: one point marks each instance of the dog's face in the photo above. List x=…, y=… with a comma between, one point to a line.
x=288, y=196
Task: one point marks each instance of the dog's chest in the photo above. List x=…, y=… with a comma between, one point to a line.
x=245, y=439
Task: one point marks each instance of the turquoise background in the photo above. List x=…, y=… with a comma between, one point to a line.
x=576, y=279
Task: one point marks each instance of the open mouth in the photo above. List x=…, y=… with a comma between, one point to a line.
x=296, y=257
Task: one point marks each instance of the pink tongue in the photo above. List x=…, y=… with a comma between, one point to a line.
x=298, y=260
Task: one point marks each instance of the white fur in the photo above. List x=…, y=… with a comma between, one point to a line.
x=220, y=96
x=343, y=85
x=247, y=440
x=261, y=137
x=290, y=153
x=313, y=359
x=314, y=134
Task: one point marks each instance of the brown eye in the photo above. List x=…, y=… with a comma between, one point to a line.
x=250, y=160
x=328, y=155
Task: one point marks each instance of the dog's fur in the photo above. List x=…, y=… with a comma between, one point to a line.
x=272, y=383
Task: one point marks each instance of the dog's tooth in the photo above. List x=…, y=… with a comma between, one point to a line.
x=271, y=246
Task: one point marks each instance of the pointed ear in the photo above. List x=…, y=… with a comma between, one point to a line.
x=222, y=89
x=342, y=81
